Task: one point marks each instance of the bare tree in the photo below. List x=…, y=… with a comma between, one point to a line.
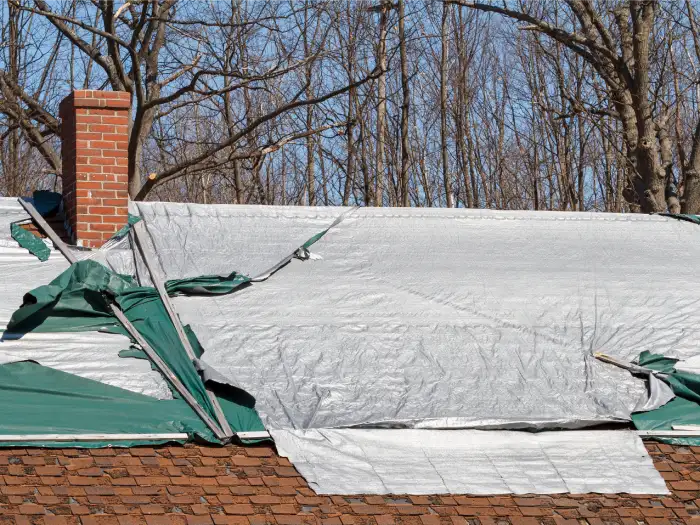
x=574, y=105
x=620, y=46
x=131, y=44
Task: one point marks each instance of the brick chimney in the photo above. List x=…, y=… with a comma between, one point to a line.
x=94, y=141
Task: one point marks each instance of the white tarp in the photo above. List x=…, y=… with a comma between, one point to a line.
x=436, y=318
x=362, y=461
x=412, y=315
x=88, y=354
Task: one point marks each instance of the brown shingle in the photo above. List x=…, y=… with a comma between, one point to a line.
x=135, y=487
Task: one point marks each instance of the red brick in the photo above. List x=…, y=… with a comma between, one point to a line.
x=123, y=121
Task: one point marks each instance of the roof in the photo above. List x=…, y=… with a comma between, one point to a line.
x=192, y=485
x=429, y=319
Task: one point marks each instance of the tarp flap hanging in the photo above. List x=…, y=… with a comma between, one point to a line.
x=76, y=300
x=30, y=242
x=46, y=203
x=684, y=409
x=89, y=354
x=40, y=400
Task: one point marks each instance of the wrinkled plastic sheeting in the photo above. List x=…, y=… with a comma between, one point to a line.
x=90, y=355
x=690, y=365
x=198, y=239
x=659, y=393
x=362, y=461
x=427, y=318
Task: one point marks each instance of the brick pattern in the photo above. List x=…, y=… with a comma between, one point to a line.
x=94, y=146
x=194, y=485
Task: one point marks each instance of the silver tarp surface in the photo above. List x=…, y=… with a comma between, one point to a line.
x=87, y=354
x=362, y=461
x=439, y=318
x=435, y=319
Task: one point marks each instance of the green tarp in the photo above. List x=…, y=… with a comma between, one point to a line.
x=78, y=300
x=124, y=230
x=695, y=219
x=30, y=242
x=41, y=400
x=684, y=409
x=46, y=203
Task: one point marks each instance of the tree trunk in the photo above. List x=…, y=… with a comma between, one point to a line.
x=405, y=106
x=381, y=108
x=445, y=46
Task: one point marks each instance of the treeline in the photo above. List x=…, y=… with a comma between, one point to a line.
x=574, y=105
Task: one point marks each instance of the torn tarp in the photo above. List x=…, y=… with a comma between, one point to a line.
x=90, y=355
x=428, y=318
x=41, y=400
x=684, y=409
x=77, y=300
x=30, y=242
x=46, y=203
